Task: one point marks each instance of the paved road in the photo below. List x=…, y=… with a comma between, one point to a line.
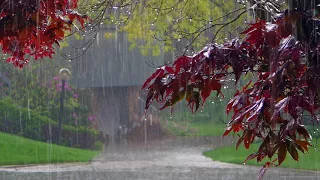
x=176, y=159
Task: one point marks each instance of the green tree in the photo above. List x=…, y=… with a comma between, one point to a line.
x=38, y=87
x=160, y=26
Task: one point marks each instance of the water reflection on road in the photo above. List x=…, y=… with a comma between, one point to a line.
x=174, y=158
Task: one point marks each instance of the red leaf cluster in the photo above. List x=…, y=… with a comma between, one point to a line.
x=270, y=108
x=31, y=27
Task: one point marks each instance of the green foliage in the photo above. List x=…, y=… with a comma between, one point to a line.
x=16, y=150
x=38, y=87
x=194, y=128
x=173, y=21
x=98, y=146
x=230, y=155
x=30, y=107
x=28, y=123
x=156, y=26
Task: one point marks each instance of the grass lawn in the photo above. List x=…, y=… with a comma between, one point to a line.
x=194, y=128
x=308, y=161
x=16, y=150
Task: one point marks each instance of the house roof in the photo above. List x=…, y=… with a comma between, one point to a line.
x=110, y=62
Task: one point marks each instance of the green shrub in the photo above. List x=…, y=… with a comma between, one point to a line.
x=98, y=146
x=30, y=124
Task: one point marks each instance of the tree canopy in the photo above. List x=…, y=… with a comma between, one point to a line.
x=280, y=48
x=156, y=26
x=31, y=27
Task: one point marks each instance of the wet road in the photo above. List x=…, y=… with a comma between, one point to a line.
x=176, y=159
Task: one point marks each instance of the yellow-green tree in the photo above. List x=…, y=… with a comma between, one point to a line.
x=156, y=26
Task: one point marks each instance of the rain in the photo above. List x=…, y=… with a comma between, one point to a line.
x=113, y=89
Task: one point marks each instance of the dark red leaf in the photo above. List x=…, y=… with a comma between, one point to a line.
x=241, y=139
x=175, y=98
x=205, y=93
x=253, y=27
x=282, y=104
x=292, y=150
x=301, y=129
x=193, y=98
x=303, y=144
x=251, y=156
x=59, y=34
x=255, y=33
x=229, y=106
x=215, y=85
x=159, y=72
x=264, y=144
x=248, y=139
x=261, y=156
x=181, y=62
x=282, y=152
x=273, y=150
x=237, y=127
x=227, y=131
x=233, y=102
x=263, y=170
x=169, y=69
x=305, y=104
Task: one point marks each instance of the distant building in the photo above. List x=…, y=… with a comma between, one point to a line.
x=112, y=75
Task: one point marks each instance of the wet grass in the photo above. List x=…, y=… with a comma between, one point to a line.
x=194, y=128
x=16, y=150
x=229, y=154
